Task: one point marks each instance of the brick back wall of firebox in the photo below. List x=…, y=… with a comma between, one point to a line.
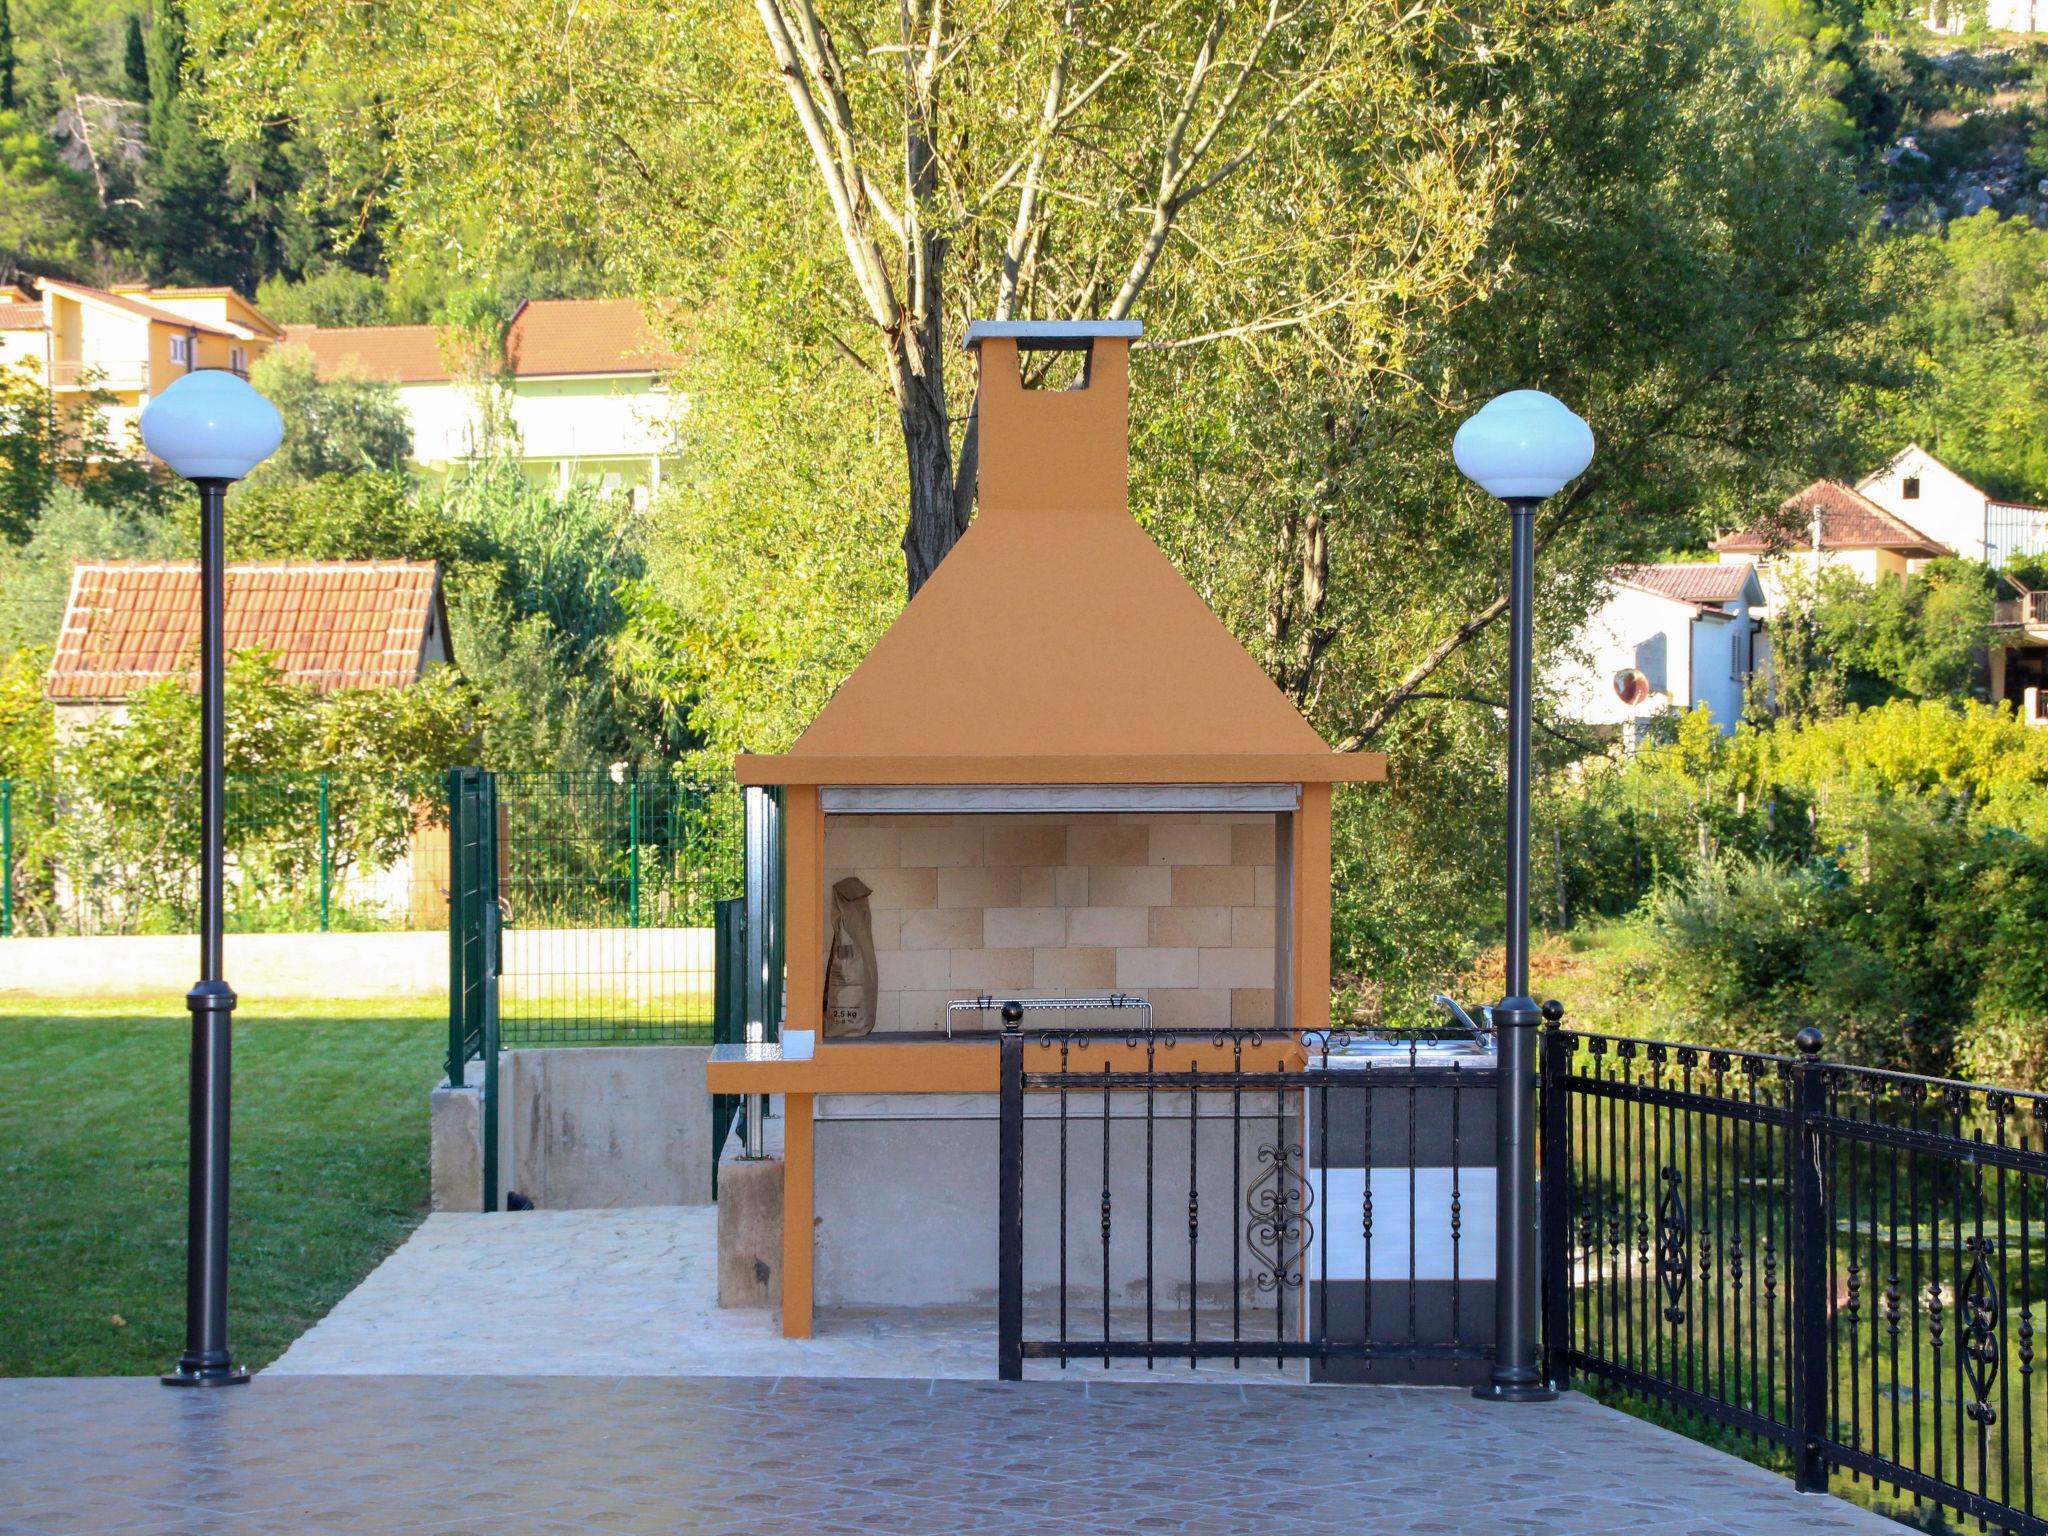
x=1180, y=908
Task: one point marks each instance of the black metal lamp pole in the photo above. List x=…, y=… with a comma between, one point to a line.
x=206, y=1361
x=211, y=428
x=1517, y=1352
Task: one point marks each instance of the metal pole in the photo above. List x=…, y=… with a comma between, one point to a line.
x=1010, y=1200
x=1517, y=1280
x=633, y=843
x=324, y=862
x=206, y=1361
x=6, y=858
x=1809, y=1244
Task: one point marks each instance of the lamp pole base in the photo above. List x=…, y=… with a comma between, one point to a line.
x=209, y=1376
x=1516, y=1392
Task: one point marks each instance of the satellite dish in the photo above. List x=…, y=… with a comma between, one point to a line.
x=1631, y=686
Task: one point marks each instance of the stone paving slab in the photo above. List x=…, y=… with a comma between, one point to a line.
x=708, y=1456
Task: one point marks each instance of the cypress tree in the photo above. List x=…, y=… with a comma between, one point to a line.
x=7, y=102
x=194, y=231
x=136, y=62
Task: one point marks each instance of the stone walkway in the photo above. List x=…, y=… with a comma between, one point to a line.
x=525, y=1456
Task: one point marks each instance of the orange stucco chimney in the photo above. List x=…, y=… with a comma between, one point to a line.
x=1065, y=450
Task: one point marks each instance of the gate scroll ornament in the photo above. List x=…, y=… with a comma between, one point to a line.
x=1674, y=1238
x=1981, y=1345
x=1280, y=1230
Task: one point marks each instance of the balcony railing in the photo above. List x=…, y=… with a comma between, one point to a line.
x=120, y=373
x=2028, y=610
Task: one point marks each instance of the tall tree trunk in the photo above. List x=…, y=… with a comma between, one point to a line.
x=933, y=527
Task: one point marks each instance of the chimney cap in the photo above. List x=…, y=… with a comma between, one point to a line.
x=1051, y=335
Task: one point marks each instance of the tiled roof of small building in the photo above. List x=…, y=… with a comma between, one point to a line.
x=20, y=316
x=333, y=624
x=548, y=338
x=1689, y=581
x=1848, y=520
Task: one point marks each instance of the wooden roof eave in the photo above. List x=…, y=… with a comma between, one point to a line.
x=1218, y=768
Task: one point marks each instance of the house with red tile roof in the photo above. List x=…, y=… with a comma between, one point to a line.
x=582, y=386
x=332, y=624
x=1667, y=638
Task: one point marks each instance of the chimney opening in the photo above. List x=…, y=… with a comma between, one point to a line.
x=1058, y=368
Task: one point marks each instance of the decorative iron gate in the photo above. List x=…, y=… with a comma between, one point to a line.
x=1834, y=1260
x=1333, y=1215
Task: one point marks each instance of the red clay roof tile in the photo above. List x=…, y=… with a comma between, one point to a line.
x=333, y=624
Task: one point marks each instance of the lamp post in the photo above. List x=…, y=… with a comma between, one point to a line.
x=1522, y=447
x=212, y=429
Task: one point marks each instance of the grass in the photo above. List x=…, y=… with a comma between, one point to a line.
x=330, y=1173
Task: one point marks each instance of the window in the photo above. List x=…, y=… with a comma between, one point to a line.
x=181, y=351
x=1912, y=490
x=238, y=359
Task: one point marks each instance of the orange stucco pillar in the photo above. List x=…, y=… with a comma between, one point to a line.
x=1309, y=946
x=804, y=958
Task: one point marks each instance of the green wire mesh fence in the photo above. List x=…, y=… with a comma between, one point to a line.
x=606, y=882
x=609, y=886
x=306, y=853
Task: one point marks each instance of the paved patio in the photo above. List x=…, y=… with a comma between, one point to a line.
x=634, y=1293
x=780, y=1456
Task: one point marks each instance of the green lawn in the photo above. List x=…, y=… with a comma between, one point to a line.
x=330, y=1173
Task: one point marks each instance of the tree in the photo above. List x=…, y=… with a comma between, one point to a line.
x=339, y=425
x=44, y=445
x=7, y=101
x=192, y=233
x=1982, y=395
x=373, y=515
x=69, y=526
x=135, y=59
x=1848, y=644
x=45, y=206
x=921, y=167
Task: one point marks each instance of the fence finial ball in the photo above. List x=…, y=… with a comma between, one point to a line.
x=1808, y=1040
x=1553, y=1011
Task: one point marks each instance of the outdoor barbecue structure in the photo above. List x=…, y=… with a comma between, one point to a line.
x=1062, y=781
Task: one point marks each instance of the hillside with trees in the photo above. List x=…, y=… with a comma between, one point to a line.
x=1754, y=243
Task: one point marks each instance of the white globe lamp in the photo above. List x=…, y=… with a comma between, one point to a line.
x=211, y=425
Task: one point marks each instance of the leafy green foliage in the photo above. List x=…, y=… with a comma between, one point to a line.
x=1983, y=396
x=45, y=206
x=128, y=817
x=332, y=426
x=1882, y=874
x=36, y=578
x=1839, y=642
x=43, y=448
x=374, y=515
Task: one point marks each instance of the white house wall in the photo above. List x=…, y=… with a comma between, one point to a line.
x=558, y=420
x=1636, y=629
x=1717, y=668
x=1948, y=509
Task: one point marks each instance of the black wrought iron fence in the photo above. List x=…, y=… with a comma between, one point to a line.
x=1840, y=1262
x=1335, y=1212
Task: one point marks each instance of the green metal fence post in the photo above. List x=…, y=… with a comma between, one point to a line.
x=633, y=845
x=325, y=863
x=6, y=857
x=457, y=926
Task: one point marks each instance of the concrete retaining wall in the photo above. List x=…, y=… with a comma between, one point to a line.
x=626, y=964
x=259, y=965
x=595, y=1127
